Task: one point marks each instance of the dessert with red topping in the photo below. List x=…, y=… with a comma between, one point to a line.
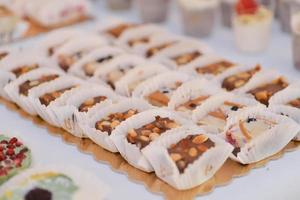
x=252, y=26
x=14, y=157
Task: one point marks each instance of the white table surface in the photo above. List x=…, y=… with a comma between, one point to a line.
x=278, y=180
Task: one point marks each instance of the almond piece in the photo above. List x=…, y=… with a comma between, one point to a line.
x=144, y=138
x=115, y=123
x=193, y=152
x=153, y=136
x=175, y=157
x=200, y=139
x=132, y=133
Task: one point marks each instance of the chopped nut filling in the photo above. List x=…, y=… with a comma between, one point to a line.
x=162, y=96
x=117, y=31
x=192, y=104
x=90, y=68
x=134, y=42
x=85, y=106
x=186, y=58
x=154, y=50
x=29, y=84
x=24, y=69
x=141, y=137
x=294, y=103
x=189, y=149
x=215, y=68
x=65, y=61
x=264, y=92
x=3, y=55
x=240, y=79
x=47, y=98
x=109, y=123
x=245, y=130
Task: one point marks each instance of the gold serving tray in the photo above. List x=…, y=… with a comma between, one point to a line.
x=224, y=176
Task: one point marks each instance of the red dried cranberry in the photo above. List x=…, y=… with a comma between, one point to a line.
x=13, y=140
x=4, y=142
x=10, y=152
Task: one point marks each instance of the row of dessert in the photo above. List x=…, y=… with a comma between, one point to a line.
x=229, y=123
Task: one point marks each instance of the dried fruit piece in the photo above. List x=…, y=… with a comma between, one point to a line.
x=14, y=157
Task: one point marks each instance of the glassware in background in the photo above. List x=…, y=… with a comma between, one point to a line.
x=270, y=4
x=286, y=8
x=153, y=11
x=118, y=4
x=198, y=16
x=295, y=24
x=252, y=28
x=227, y=9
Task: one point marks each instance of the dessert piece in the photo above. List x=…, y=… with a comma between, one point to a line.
x=19, y=89
x=252, y=26
x=47, y=95
x=237, y=77
x=54, y=182
x=72, y=51
x=118, y=4
x=14, y=157
x=264, y=85
x=187, y=157
x=198, y=16
x=139, y=35
x=227, y=8
x=158, y=43
x=192, y=94
x=57, y=38
x=159, y=89
x=137, y=132
x=87, y=65
x=113, y=70
x=80, y=104
x=214, y=112
x=57, y=13
x=14, y=68
x=101, y=126
x=257, y=133
x=154, y=11
x=208, y=66
x=296, y=39
x=114, y=28
x=287, y=102
x=264, y=92
x=182, y=53
x=126, y=85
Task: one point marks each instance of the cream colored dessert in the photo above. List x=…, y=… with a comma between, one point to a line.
x=253, y=31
